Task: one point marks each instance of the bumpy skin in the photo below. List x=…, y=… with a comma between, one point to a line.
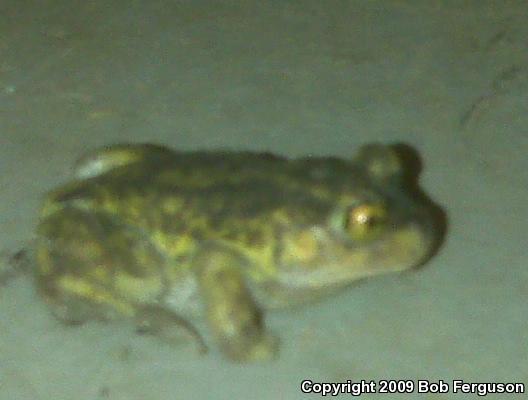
x=165, y=237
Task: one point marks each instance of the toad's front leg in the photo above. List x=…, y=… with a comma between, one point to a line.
x=232, y=314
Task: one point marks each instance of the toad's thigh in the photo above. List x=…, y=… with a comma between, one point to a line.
x=91, y=266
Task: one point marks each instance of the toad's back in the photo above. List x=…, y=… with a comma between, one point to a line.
x=237, y=197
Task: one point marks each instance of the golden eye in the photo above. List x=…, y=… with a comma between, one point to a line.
x=365, y=221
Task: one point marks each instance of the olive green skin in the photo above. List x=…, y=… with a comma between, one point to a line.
x=167, y=238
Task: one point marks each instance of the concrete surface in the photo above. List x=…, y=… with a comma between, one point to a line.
x=294, y=77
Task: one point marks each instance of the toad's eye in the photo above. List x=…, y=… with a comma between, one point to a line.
x=365, y=221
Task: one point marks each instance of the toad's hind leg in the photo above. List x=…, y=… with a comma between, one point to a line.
x=91, y=267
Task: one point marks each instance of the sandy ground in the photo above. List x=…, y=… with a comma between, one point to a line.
x=294, y=77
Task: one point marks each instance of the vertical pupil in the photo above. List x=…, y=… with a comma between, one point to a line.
x=370, y=220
